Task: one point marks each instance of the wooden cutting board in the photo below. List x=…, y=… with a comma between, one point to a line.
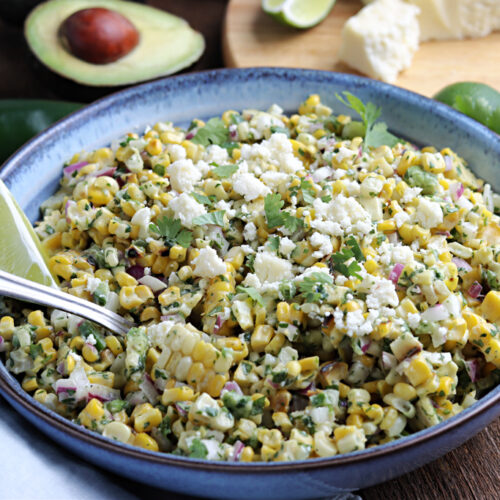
x=252, y=38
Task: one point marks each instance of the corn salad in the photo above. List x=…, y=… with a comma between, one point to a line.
x=298, y=292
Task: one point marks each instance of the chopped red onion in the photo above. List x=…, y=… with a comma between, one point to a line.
x=273, y=384
x=393, y=238
x=436, y=313
x=448, y=163
x=69, y=204
x=365, y=347
x=472, y=367
x=461, y=264
x=181, y=410
x=2, y=344
x=218, y=323
x=191, y=133
x=109, y=171
x=457, y=191
x=65, y=386
x=154, y=283
x=74, y=167
x=136, y=271
x=305, y=390
x=396, y=272
x=238, y=448
x=388, y=360
x=149, y=390
x=360, y=153
x=231, y=386
x=60, y=368
x=136, y=398
x=475, y=290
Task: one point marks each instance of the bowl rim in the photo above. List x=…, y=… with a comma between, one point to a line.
x=10, y=386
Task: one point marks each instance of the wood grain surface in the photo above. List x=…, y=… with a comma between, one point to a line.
x=469, y=472
x=252, y=38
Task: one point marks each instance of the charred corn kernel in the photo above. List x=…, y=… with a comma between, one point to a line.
x=77, y=342
x=309, y=364
x=247, y=454
x=94, y=409
x=281, y=420
x=6, y=327
x=418, y=371
x=343, y=431
x=374, y=412
x=169, y=296
x=204, y=352
x=389, y=419
x=215, y=385
x=114, y=344
x=36, y=318
x=354, y=419
x=261, y=337
x=143, y=440
x=102, y=378
x=29, y=384
x=176, y=394
x=90, y=353
x=445, y=386
x=387, y=226
x=270, y=437
x=146, y=420
x=150, y=313
x=408, y=159
x=125, y=279
x=275, y=345
x=371, y=266
x=154, y=147
x=293, y=368
x=408, y=306
x=343, y=390
x=118, y=431
x=492, y=351
x=405, y=391
x=69, y=364
x=491, y=306
x=178, y=253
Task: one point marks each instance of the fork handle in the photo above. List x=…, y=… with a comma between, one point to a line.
x=29, y=291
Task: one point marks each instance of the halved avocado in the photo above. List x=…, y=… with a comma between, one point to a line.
x=166, y=43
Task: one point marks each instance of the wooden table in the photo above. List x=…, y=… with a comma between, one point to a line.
x=469, y=472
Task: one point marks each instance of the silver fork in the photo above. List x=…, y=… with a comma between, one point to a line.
x=29, y=291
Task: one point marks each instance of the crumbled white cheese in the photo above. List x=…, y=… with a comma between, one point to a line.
x=322, y=243
x=216, y=154
x=183, y=175
x=286, y=246
x=270, y=268
x=341, y=215
x=429, y=213
x=248, y=186
x=186, y=208
x=176, y=152
x=401, y=218
x=134, y=162
x=381, y=39
x=383, y=293
x=208, y=264
x=250, y=232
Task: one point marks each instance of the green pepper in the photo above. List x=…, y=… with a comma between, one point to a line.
x=477, y=100
x=21, y=119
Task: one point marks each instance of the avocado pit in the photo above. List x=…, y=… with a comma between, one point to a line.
x=98, y=35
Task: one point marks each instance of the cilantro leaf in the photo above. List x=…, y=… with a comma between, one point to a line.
x=379, y=135
x=198, y=449
x=204, y=200
x=280, y=130
x=308, y=192
x=252, y=293
x=272, y=207
x=224, y=171
x=275, y=217
x=352, y=250
x=274, y=243
x=376, y=134
x=292, y=223
x=313, y=288
x=214, y=132
x=171, y=231
x=216, y=218
x=159, y=170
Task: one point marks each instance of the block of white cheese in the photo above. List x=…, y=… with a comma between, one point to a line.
x=381, y=39
x=456, y=19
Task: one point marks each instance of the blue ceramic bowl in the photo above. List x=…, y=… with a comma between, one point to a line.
x=33, y=173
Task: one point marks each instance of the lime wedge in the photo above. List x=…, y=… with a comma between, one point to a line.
x=22, y=253
x=298, y=13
